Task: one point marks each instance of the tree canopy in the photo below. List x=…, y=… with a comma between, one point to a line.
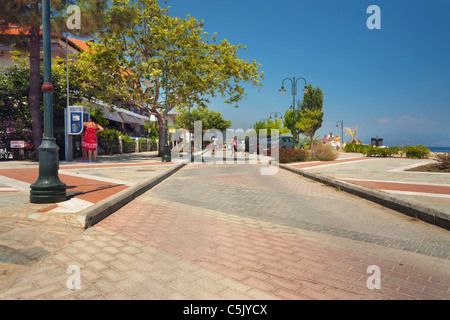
x=210, y=119
x=184, y=64
x=270, y=124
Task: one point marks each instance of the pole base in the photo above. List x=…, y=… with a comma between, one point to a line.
x=49, y=196
x=48, y=188
x=166, y=156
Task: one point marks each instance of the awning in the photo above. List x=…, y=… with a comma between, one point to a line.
x=114, y=115
x=131, y=119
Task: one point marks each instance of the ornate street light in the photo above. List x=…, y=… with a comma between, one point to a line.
x=147, y=83
x=48, y=188
x=294, y=93
x=276, y=114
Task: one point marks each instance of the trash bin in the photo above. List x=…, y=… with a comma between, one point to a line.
x=373, y=141
x=377, y=142
x=380, y=142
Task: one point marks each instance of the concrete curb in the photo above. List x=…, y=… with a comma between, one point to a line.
x=410, y=208
x=104, y=208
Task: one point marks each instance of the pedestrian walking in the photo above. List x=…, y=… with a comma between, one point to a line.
x=234, y=145
x=90, y=138
x=214, y=145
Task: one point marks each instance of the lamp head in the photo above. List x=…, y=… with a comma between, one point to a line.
x=305, y=90
x=282, y=90
x=147, y=82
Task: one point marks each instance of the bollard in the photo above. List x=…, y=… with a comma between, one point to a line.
x=120, y=145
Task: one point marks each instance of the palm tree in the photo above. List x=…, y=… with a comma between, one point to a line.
x=352, y=133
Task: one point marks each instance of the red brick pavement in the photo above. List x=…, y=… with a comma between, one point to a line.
x=86, y=189
x=285, y=265
x=82, y=188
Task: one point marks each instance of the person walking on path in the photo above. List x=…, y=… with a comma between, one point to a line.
x=234, y=145
x=90, y=138
x=214, y=145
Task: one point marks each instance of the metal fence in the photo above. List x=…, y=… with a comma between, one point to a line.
x=103, y=148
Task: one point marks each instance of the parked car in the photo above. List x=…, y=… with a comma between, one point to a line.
x=281, y=142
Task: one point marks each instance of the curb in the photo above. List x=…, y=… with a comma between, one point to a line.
x=104, y=208
x=410, y=208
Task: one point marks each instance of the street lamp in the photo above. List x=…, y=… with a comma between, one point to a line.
x=276, y=114
x=47, y=188
x=147, y=83
x=342, y=128
x=294, y=93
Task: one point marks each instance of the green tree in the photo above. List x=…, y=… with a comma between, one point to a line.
x=312, y=101
x=270, y=124
x=210, y=119
x=14, y=90
x=14, y=102
x=27, y=15
x=308, y=122
x=291, y=117
x=142, y=40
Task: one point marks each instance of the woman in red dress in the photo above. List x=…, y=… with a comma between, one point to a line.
x=90, y=137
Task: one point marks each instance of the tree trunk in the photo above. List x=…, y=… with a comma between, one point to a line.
x=35, y=91
x=162, y=137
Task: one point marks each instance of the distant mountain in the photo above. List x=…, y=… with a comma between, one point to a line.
x=428, y=140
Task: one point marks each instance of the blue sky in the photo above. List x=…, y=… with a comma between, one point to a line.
x=391, y=82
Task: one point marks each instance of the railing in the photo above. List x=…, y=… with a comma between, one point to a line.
x=103, y=148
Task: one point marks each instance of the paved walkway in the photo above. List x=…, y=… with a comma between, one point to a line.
x=389, y=175
x=220, y=232
x=29, y=232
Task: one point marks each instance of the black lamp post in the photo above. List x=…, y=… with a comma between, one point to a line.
x=342, y=129
x=294, y=93
x=48, y=188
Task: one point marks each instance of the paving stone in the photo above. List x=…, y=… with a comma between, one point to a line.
x=226, y=232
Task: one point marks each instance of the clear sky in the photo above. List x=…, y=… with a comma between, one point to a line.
x=391, y=82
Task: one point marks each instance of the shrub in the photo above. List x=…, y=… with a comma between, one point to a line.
x=418, y=151
x=108, y=142
x=355, y=147
x=288, y=155
x=444, y=160
x=370, y=151
x=323, y=153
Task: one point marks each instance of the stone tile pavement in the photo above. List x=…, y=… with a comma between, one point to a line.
x=225, y=232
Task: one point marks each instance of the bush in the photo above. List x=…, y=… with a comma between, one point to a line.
x=323, y=153
x=370, y=151
x=288, y=155
x=108, y=142
x=354, y=147
x=444, y=160
x=418, y=151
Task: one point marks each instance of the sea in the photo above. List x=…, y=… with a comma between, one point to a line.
x=439, y=149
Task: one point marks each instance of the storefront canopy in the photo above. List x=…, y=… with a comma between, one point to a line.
x=114, y=115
